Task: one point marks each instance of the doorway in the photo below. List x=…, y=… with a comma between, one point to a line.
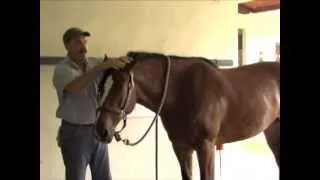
x=241, y=46
x=278, y=52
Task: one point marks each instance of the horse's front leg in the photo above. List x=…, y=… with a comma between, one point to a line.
x=205, y=153
x=184, y=155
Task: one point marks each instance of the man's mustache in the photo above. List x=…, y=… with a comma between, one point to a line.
x=82, y=51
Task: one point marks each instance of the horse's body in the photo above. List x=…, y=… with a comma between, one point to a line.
x=204, y=105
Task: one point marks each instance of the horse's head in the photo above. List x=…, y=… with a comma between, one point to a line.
x=119, y=102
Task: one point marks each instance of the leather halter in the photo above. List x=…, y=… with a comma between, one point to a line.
x=123, y=107
x=123, y=114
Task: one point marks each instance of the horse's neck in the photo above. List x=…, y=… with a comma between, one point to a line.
x=149, y=79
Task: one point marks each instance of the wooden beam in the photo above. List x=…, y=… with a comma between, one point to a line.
x=258, y=6
x=243, y=9
x=266, y=8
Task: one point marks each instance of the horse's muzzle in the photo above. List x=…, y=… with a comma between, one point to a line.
x=104, y=135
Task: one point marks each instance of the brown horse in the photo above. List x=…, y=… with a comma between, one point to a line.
x=202, y=105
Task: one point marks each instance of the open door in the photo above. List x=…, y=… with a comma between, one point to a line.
x=278, y=52
x=241, y=47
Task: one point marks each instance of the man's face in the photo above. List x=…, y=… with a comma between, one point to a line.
x=77, y=48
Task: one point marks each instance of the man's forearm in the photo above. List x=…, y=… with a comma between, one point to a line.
x=81, y=82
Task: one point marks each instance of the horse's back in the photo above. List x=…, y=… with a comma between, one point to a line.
x=246, y=76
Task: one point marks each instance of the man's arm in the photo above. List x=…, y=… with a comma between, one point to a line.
x=65, y=82
x=79, y=83
x=82, y=81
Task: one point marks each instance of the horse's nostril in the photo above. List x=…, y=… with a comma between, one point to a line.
x=105, y=134
x=97, y=135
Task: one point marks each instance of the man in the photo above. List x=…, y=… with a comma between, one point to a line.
x=75, y=80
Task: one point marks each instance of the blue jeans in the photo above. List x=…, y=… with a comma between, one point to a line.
x=79, y=149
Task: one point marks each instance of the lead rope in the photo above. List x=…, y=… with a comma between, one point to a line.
x=220, y=148
x=126, y=141
x=220, y=164
x=156, y=150
x=155, y=120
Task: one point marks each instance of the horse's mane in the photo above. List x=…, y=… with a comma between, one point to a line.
x=141, y=55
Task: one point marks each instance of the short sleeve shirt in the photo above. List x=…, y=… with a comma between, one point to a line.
x=80, y=107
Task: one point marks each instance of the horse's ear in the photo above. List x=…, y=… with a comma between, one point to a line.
x=131, y=64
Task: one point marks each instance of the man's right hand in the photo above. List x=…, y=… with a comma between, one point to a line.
x=116, y=63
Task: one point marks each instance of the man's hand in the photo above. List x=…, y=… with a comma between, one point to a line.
x=116, y=63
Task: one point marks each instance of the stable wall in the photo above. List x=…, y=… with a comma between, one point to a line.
x=201, y=28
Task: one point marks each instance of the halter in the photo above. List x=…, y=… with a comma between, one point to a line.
x=123, y=114
x=122, y=109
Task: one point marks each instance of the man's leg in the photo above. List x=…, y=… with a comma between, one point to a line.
x=99, y=164
x=75, y=149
